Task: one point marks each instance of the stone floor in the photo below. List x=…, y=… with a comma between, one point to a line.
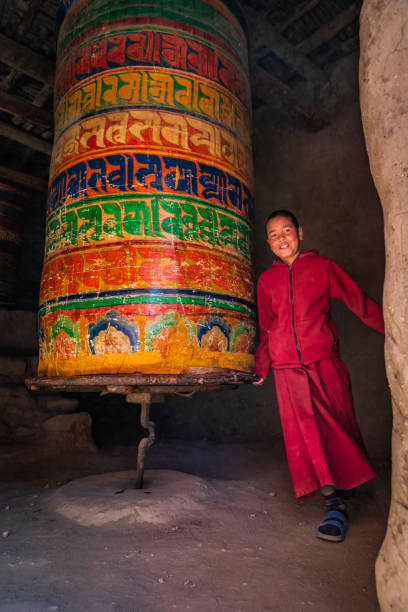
x=216, y=529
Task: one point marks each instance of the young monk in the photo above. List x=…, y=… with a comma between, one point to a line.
x=299, y=341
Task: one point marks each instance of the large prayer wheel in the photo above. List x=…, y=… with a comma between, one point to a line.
x=12, y=202
x=148, y=239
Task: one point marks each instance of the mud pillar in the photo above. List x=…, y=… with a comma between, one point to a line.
x=384, y=106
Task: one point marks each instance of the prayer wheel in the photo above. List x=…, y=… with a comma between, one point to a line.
x=11, y=210
x=147, y=264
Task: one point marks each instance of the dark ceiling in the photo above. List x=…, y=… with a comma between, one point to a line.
x=293, y=46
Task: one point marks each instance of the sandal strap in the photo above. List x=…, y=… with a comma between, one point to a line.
x=334, y=501
x=335, y=516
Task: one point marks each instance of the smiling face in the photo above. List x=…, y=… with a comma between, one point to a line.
x=284, y=239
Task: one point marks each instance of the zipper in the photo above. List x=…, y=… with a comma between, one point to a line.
x=293, y=315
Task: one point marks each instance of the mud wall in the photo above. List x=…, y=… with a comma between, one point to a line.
x=383, y=85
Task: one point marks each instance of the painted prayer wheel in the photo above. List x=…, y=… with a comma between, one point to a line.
x=148, y=236
x=11, y=210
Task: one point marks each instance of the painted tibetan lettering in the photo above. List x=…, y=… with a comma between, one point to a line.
x=154, y=129
x=151, y=48
x=147, y=265
x=144, y=173
x=141, y=88
x=118, y=220
x=115, y=267
x=213, y=18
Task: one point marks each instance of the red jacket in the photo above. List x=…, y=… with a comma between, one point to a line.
x=294, y=311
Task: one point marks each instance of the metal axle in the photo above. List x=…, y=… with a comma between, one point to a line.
x=144, y=399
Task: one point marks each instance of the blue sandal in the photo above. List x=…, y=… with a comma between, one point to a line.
x=334, y=526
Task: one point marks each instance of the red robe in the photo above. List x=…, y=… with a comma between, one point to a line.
x=299, y=340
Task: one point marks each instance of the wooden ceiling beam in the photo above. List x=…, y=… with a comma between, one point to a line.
x=263, y=33
x=24, y=60
x=296, y=14
x=21, y=178
x=328, y=31
x=25, y=138
x=20, y=108
x=269, y=88
x=39, y=100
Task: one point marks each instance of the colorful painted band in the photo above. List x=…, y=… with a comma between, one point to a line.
x=107, y=340
x=148, y=296
x=150, y=340
x=136, y=130
x=212, y=17
x=142, y=173
x=113, y=220
x=146, y=265
x=152, y=88
x=141, y=309
x=156, y=48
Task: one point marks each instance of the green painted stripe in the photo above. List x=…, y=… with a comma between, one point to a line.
x=193, y=12
x=146, y=196
x=145, y=299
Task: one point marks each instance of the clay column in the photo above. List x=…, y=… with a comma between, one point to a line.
x=384, y=107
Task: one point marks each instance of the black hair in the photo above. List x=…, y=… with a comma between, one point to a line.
x=282, y=213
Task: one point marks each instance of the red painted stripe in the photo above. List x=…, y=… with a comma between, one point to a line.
x=159, y=243
x=158, y=21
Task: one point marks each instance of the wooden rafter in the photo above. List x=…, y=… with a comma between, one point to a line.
x=30, y=14
x=20, y=108
x=296, y=14
x=262, y=33
x=39, y=100
x=24, y=138
x=267, y=87
x=21, y=178
x=328, y=31
x=24, y=60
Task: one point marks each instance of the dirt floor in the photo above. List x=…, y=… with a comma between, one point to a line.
x=216, y=529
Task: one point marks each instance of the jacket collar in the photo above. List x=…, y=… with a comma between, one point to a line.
x=302, y=255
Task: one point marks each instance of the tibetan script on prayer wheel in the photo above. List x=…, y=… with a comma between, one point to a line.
x=147, y=263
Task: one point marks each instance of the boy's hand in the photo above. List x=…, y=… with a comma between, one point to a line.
x=258, y=382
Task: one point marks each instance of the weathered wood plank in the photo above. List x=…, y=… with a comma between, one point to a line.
x=329, y=30
x=296, y=14
x=262, y=33
x=24, y=60
x=123, y=383
x=269, y=88
x=21, y=178
x=24, y=138
x=21, y=108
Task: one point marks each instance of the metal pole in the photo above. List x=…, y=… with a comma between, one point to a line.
x=144, y=399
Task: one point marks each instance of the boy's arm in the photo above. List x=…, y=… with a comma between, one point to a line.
x=344, y=288
x=265, y=318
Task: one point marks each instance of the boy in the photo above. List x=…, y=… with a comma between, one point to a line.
x=299, y=341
